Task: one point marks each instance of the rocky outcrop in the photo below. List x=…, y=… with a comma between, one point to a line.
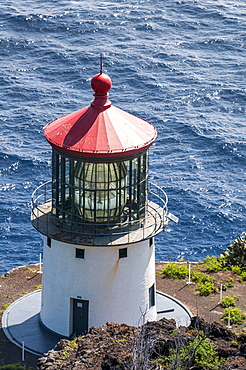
x=104, y=347
x=120, y=347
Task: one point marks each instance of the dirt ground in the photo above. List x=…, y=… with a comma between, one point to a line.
x=13, y=285
x=23, y=280
x=205, y=307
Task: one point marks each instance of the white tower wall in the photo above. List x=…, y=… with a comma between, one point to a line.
x=117, y=288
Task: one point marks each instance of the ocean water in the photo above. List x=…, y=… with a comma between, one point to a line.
x=177, y=63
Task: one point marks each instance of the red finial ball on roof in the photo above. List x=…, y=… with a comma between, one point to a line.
x=101, y=83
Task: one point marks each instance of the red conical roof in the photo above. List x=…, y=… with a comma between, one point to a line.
x=100, y=130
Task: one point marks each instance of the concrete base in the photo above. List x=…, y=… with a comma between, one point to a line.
x=22, y=325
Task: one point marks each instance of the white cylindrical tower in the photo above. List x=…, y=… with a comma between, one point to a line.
x=98, y=217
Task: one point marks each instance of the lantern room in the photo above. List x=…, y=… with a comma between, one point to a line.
x=105, y=193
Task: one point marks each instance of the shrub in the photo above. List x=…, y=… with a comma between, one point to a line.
x=243, y=275
x=236, y=316
x=229, y=283
x=200, y=352
x=175, y=271
x=206, y=288
x=12, y=367
x=201, y=277
x=227, y=302
x=214, y=264
x=236, y=252
x=204, y=281
x=236, y=269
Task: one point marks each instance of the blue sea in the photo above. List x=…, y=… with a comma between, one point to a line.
x=180, y=64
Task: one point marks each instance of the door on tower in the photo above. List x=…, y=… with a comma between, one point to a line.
x=80, y=316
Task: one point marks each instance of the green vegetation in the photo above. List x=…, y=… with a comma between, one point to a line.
x=73, y=344
x=201, y=277
x=236, y=252
x=11, y=298
x=236, y=316
x=204, y=281
x=69, y=349
x=235, y=343
x=243, y=275
x=234, y=259
x=200, y=352
x=214, y=264
x=6, y=305
x=12, y=367
x=65, y=355
x=122, y=340
x=227, y=302
x=175, y=271
x=99, y=352
x=206, y=288
x=236, y=269
x=228, y=283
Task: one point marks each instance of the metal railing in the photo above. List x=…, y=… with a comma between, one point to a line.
x=83, y=232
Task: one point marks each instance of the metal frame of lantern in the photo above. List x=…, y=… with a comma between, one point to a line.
x=71, y=205
x=99, y=193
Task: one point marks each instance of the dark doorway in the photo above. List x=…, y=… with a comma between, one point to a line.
x=80, y=316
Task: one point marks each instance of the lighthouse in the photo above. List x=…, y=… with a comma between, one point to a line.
x=98, y=216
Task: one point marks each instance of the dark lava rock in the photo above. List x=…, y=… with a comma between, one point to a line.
x=213, y=331
x=119, y=346
x=226, y=349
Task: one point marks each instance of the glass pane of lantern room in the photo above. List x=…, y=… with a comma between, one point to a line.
x=98, y=194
